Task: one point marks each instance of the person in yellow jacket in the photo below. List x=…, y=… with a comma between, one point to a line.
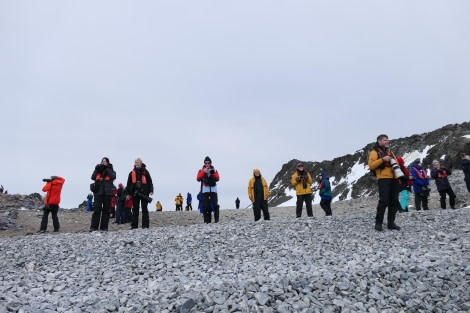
x=258, y=193
x=302, y=181
x=179, y=202
x=159, y=206
x=381, y=160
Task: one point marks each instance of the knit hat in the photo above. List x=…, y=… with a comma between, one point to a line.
x=434, y=162
x=120, y=185
x=417, y=161
x=207, y=159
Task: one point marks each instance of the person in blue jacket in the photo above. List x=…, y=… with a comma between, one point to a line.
x=325, y=193
x=189, y=200
x=420, y=185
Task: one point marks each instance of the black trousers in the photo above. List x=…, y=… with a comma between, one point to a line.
x=100, y=217
x=452, y=197
x=326, y=206
x=258, y=206
x=135, y=213
x=53, y=209
x=308, y=203
x=419, y=199
x=388, y=197
x=209, y=200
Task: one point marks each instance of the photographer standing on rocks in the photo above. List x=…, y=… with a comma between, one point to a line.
x=103, y=175
x=258, y=193
x=53, y=187
x=420, y=185
x=302, y=182
x=440, y=174
x=139, y=187
x=380, y=162
x=208, y=176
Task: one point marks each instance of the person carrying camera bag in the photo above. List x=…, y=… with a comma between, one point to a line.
x=380, y=162
x=420, y=185
x=208, y=176
x=104, y=176
x=139, y=187
x=53, y=187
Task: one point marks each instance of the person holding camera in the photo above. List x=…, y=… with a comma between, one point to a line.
x=380, y=163
x=302, y=181
x=440, y=175
x=103, y=176
x=53, y=188
x=420, y=185
x=258, y=193
x=139, y=187
x=208, y=176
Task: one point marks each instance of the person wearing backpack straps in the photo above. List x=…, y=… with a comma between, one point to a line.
x=380, y=162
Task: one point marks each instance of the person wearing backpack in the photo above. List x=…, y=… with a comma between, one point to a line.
x=440, y=175
x=466, y=168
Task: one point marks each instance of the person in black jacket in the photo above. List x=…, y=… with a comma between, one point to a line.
x=103, y=175
x=139, y=186
x=442, y=183
x=466, y=168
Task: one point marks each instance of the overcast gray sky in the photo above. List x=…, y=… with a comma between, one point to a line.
x=252, y=84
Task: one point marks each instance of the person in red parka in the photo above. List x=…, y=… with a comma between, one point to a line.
x=53, y=188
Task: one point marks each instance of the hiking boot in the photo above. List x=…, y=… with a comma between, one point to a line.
x=393, y=226
x=378, y=227
x=93, y=229
x=42, y=231
x=56, y=230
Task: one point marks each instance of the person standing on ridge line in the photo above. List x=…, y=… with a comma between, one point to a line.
x=380, y=163
x=209, y=176
x=302, y=182
x=258, y=193
x=139, y=187
x=104, y=176
x=53, y=187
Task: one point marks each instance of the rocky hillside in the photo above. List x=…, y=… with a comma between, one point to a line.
x=349, y=174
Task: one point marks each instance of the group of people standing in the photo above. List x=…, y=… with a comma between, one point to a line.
x=392, y=184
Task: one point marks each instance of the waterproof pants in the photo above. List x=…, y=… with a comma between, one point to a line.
x=308, y=203
x=100, y=217
x=258, y=206
x=404, y=198
x=388, y=197
x=53, y=209
x=326, y=206
x=135, y=213
x=451, y=194
x=210, y=202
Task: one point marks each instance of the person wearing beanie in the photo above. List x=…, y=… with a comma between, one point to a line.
x=405, y=182
x=209, y=176
x=420, y=185
x=440, y=175
x=325, y=193
x=380, y=163
x=258, y=193
x=302, y=182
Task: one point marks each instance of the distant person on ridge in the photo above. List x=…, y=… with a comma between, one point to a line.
x=380, y=162
x=158, y=206
x=302, y=182
x=53, y=187
x=208, y=176
x=237, y=203
x=189, y=201
x=466, y=168
x=420, y=185
x=325, y=193
x=89, y=202
x=440, y=175
x=139, y=187
x=103, y=175
x=258, y=193
x=179, y=202
x=1, y=188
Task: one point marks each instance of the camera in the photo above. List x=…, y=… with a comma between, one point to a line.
x=396, y=168
x=143, y=196
x=47, y=180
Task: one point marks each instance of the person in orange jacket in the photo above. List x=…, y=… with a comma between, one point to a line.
x=53, y=188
